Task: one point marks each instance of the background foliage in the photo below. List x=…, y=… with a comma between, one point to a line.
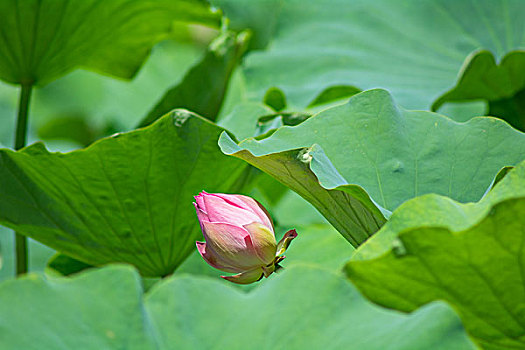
x=407, y=197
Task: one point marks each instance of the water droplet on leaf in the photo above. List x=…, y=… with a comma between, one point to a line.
x=180, y=117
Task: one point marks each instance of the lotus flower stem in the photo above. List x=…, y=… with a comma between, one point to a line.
x=20, y=142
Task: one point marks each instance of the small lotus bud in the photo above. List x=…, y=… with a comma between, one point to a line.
x=239, y=236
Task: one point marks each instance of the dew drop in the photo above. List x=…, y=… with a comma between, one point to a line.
x=305, y=156
x=180, y=117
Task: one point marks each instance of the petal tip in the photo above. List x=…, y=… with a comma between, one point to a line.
x=284, y=243
x=201, y=246
x=292, y=233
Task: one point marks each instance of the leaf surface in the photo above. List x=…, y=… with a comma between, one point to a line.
x=414, y=48
x=203, y=88
x=41, y=40
x=126, y=198
x=502, y=85
x=359, y=161
x=469, y=255
x=197, y=313
x=101, y=309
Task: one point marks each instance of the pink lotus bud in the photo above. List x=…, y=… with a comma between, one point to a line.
x=239, y=236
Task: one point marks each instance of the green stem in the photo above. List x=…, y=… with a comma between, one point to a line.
x=20, y=142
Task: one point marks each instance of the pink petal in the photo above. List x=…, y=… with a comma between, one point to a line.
x=212, y=259
x=232, y=199
x=263, y=241
x=232, y=244
x=249, y=204
x=245, y=277
x=201, y=215
x=219, y=210
x=258, y=209
x=200, y=201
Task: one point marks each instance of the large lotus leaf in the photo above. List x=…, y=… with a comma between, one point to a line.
x=126, y=198
x=212, y=72
x=414, y=48
x=108, y=103
x=274, y=316
x=470, y=255
x=371, y=144
x=41, y=40
x=483, y=79
x=103, y=309
x=438, y=211
x=103, y=103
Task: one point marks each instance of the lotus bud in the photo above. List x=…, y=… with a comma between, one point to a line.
x=239, y=236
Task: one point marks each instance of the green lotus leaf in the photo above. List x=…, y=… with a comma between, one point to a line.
x=204, y=86
x=359, y=161
x=41, y=40
x=126, y=198
x=415, y=49
x=482, y=78
x=104, y=309
x=502, y=85
x=469, y=255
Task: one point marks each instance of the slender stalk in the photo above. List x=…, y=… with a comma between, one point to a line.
x=20, y=142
